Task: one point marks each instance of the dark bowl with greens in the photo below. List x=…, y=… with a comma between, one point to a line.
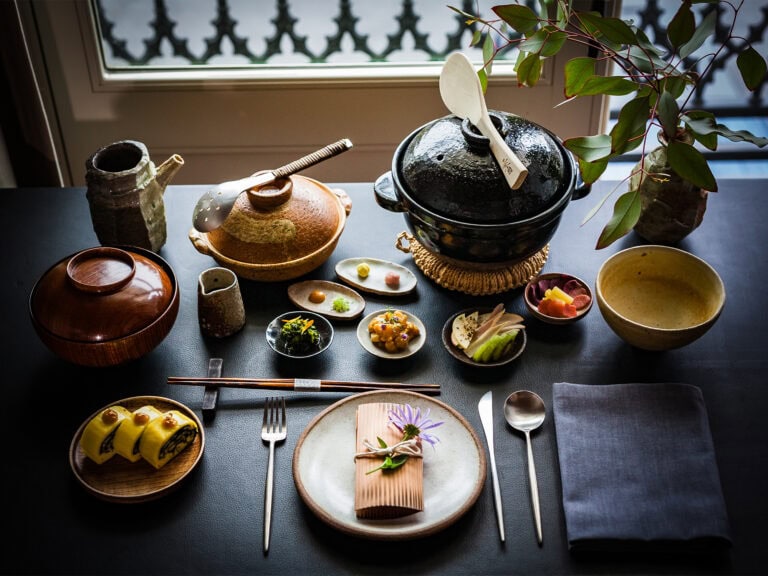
x=299, y=334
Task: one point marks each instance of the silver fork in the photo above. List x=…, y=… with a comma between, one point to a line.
x=272, y=430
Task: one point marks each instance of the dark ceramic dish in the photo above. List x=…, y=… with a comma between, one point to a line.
x=456, y=201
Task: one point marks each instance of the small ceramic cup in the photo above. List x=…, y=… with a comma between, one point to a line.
x=220, y=309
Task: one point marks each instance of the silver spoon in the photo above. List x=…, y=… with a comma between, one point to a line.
x=525, y=411
x=215, y=205
x=463, y=95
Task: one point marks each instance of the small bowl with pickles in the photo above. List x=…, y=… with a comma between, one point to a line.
x=299, y=334
x=557, y=298
x=485, y=337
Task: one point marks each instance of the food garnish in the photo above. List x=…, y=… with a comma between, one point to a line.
x=392, y=279
x=299, y=335
x=340, y=304
x=363, y=270
x=316, y=296
x=414, y=427
x=486, y=337
x=392, y=330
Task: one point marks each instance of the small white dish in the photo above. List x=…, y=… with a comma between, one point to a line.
x=321, y=323
x=364, y=337
x=300, y=292
x=375, y=281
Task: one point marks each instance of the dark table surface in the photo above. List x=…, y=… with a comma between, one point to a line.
x=213, y=523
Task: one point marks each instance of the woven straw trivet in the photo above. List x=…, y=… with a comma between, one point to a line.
x=470, y=277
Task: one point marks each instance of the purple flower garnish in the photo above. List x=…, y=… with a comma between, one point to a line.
x=412, y=423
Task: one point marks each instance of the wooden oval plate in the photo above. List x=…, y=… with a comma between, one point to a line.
x=374, y=282
x=117, y=479
x=299, y=295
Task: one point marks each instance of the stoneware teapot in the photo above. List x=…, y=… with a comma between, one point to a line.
x=125, y=194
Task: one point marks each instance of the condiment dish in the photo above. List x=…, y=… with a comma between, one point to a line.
x=574, y=287
x=321, y=296
x=324, y=328
x=514, y=353
x=364, y=337
x=374, y=276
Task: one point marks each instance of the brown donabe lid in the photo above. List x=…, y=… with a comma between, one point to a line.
x=278, y=223
x=101, y=294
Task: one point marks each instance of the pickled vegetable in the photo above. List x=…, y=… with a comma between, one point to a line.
x=299, y=336
x=392, y=331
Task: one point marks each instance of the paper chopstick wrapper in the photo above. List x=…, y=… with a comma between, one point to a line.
x=384, y=493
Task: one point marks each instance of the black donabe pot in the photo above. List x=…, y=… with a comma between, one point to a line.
x=456, y=201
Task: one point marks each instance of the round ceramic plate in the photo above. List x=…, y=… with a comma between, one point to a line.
x=374, y=282
x=299, y=295
x=119, y=480
x=364, y=337
x=324, y=469
x=323, y=327
x=532, y=304
x=517, y=346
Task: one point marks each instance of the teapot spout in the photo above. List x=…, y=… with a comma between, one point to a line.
x=167, y=170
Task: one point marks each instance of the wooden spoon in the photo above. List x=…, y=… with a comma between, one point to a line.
x=462, y=93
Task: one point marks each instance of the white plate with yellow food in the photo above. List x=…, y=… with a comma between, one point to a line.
x=324, y=469
x=330, y=299
x=376, y=276
x=104, y=458
x=391, y=334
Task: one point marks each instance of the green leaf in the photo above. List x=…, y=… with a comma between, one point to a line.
x=631, y=125
x=691, y=165
x=700, y=35
x=488, y=50
x=529, y=70
x=483, y=75
x=668, y=111
x=577, y=71
x=682, y=25
x=591, y=171
x=477, y=35
x=609, y=85
x=626, y=213
x=675, y=85
x=704, y=125
x=519, y=17
x=382, y=444
x=645, y=57
x=590, y=148
x=752, y=67
x=613, y=29
x=708, y=140
x=546, y=42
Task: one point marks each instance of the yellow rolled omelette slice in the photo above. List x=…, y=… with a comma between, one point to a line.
x=98, y=436
x=129, y=433
x=166, y=436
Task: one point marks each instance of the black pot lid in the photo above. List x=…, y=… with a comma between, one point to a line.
x=447, y=167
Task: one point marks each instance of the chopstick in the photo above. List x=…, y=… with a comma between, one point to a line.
x=303, y=384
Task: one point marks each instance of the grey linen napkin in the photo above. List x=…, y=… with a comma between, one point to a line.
x=637, y=466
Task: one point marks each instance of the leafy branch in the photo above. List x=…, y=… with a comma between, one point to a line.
x=663, y=85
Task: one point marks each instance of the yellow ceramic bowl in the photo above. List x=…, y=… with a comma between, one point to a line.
x=657, y=297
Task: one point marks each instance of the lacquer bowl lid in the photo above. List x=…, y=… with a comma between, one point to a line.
x=102, y=294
